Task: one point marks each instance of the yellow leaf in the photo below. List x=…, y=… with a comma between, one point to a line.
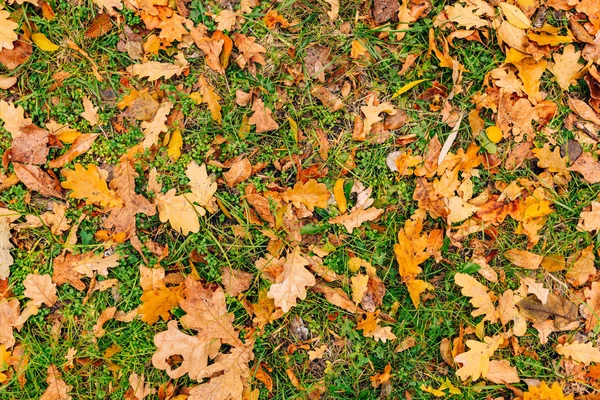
x=338, y=194
x=431, y=390
x=479, y=297
x=476, y=361
x=179, y=211
x=211, y=99
x=407, y=87
x=544, y=392
x=43, y=43
x=90, y=184
x=312, y=194
x=196, y=97
x=566, y=68
x=584, y=353
x=157, y=303
x=175, y=143
x=515, y=16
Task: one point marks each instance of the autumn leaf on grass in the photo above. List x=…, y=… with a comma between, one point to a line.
x=235, y=280
x=588, y=167
x=81, y=144
x=179, y=211
x=530, y=72
x=250, y=51
x=158, y=302
x=212, y=48
x=228, y=375
x=57, y=388
x=154, y=70
x=371, y=328
x=207, y=312
x=291, y=284
x=582, y=268
x=90, y=184
x=38, y=180
x=262, y=117
x=523, y=258
x=410, y=253
x=468, y=16
x=56, y=220
x=109, y=6
x=193, y=350
x=8, y=32
x=90, y=113
x=210, y=98
x=40, y=289
x=501, y=372
x=31, y=146
x=589, y=221
x=140, y=388
x=70, y=268
x=480, y=298
x=356, y=217
x=172, y=29
x=225, y=20
x=584, y=353
x=153, y=128
x=202, y=186
x=122, y=219
x=372, y=112
x=475, y=363
x=14, y=118
x=545, y=392
x=566, y=67
x=6, y=260
x=312, y=194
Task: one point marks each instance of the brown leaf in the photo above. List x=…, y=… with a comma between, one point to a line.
x=293, y=281
x=81, y=144
x=235, y=280
x=581, y=108
x=524, y=259
x=587, y=166
x=40, y=289
x=329, y=100
x=31, y=146
x=239, y=172
x=104, y=317
x=100, y=25
x=564, y=312
x=21, y=52
x=36, y=179
x=262, y=117
x=591, y=309
x=57, y=388
x=385, y=10
x=212, y=48
x=337, y=297
x=356, y=217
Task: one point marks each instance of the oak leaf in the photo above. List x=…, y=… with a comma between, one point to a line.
x=193, y=350
x=8, y=32
x=40, y=289
x=109, y=6
x=14, y=118
x=480, y=299
x=501, y=373
x=262, y=117
x=356, y=217
x=56, y=220
x=312, y=194
x=372, y=112
x=90, y=184
x=212, y=48
x=81, y=144
x=202, y=186
x=476, y=361
x=207, y=312
x=582, y=268
x=70, y=268
x=566, y=67
x=591, y=309
x=158, y=302
x=154, y=70
x=36, y=179
x=172, y=29
x=530, y=72
x=157, y=125
x=179, y=211
x=228, y=375
x=105, y=316
x=545, y=392
x=468, y=16
x=141, y=389
x=291, y=284
x=584, y=353
x=6, y=260
x=90, y=113
x=524, y=259
x=57, y=388
x=582, y=109
x=371, y=328
x=250, y=51
x=589, y=221
x=9, y=315
x=225, y=20
x=30, y=146
x=587, y=166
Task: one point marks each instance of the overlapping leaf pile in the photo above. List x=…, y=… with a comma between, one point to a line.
x=546, y=49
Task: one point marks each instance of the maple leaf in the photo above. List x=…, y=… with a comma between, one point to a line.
x=480, y=298
x=122, y=219
x=476, y=361
x=36, y=179
x=566, y=67
x=8, y=32
x=40, y=289
x=57, y=388
x=179, y=211
x=153, y=128
x=467, y=16
x=207, y=312
x=372, y=112
x=193, y=350
x=81, y=144
x=584, y=353
x=158, y=302
x=90, y=113
x=90, y=184
x=589, y=221
x=228, y=373
x=262, y=117
x=291, y=284
x=312, y=194
x=154, y=70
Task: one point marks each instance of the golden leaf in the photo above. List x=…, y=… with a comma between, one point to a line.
x=90, y=184
x=291, y=284
x=476, y=361
x=480, y=298
x=312, y=194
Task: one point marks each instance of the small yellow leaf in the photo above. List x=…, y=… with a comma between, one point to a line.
x=515, y=16
x=175, y=143
x=43, y=42
x=196, y=97
x=338, y=193
x=494, y=133
x=407, y=87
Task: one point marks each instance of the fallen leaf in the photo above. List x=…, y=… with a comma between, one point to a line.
x=238, y=172
x=564, y=312
x=583, y=353
x=104, y=317
x=356, y=217
x=566, y=67
x=40, y=289
x=141, y=389
x=154, y=70
x=81, y=144
x=153, y=128
x=262, y=117
x=591, y=309
x=382, y=377
x=501, y=373
x=312, y=194
x=57, y=388
x=43, y=43
x=179, y=211
x=291, y=284
x=90, y=113
x=90, y=184
x=157, y=303
x=235, y=280
x=36, y=179
x=476, y=361
x=523, y=258
x=480, y=298
x=582, y=268
x=587, y=166
x=589, y=221
x=8, y=29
